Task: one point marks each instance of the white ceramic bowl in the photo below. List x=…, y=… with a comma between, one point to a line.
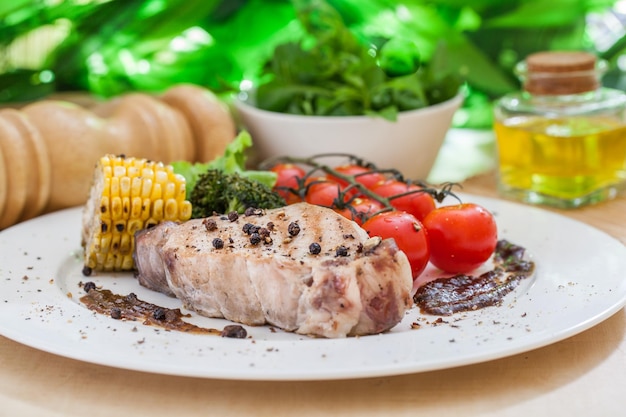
x=410, y=144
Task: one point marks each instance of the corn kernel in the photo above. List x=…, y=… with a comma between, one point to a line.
x=171, y=209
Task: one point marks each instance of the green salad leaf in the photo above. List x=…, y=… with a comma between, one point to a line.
x=331, y=73
x=233, y=161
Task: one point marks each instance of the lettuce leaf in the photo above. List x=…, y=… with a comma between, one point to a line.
x=232, y=161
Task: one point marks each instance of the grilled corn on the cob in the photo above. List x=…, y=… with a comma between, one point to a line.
x=128, y=194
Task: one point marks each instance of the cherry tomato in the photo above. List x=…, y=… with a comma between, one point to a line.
x=409, y=234
x=461, y=237
x=288, y=175
x=418, y=203
x=359, y=208
x=361, y=174
x=322, y=191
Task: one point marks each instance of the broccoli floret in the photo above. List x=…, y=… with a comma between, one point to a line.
x=217, y=192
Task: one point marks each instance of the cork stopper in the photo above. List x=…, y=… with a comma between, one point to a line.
x=560, y=73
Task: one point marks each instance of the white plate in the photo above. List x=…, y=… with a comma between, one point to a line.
x=580, y=281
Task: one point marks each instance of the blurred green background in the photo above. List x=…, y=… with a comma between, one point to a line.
x=108, y=47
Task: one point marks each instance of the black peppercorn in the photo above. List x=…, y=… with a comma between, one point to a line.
x=293, y=229
x=158, y=314
x=315, y=248
x=255, y=238
x=210, y=224
x=234, y=331
x=89, y=286
x=116, y=313
x=249, y=228
x=341, y=251
x=233, y=216
x=252, y=211
x=218, y=243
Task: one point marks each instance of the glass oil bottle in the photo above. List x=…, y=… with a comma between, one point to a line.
x=562, y=139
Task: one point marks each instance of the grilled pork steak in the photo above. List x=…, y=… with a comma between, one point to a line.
x=302, y=268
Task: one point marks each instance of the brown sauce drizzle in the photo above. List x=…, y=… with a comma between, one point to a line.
x=446, y=296
x=129, y=307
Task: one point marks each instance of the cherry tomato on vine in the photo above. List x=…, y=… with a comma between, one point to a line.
x=322, y=191
x=418, y=203
x=461, y=237
x=288, y=175
x=361, y=174
x=359, y=208
x=409, y=234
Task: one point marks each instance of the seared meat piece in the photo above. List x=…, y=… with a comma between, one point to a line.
x=302, y=268
x=153, y=272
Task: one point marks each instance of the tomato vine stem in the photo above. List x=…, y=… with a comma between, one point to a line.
x=346, y=196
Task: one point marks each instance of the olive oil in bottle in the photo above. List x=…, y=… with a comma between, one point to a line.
x=562, y=141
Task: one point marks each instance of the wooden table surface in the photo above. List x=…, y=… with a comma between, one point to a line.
x=582, y=375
